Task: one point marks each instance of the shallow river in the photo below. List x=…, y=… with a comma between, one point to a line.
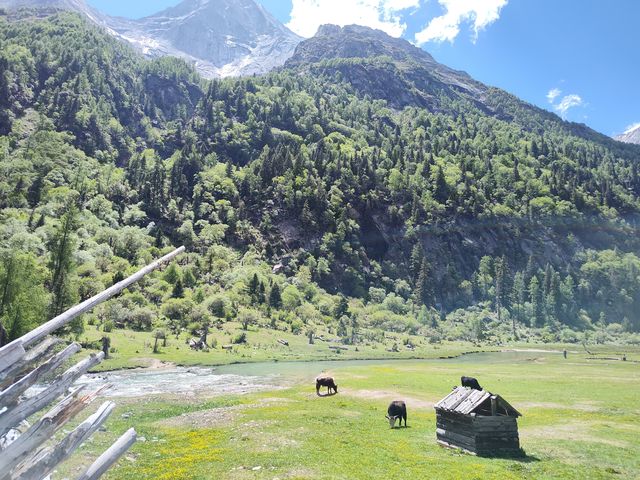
x=252, y=377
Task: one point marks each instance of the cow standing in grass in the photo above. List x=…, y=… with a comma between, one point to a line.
x=397, y=411
x=326, y=382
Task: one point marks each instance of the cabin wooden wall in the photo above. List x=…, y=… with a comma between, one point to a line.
x=481, y=435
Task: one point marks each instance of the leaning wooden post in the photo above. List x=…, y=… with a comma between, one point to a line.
x=22, y=456
x=111, y=456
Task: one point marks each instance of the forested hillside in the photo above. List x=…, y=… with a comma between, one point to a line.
x=379, y=192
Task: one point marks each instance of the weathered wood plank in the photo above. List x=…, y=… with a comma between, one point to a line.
x=455, y=417
x=455, y=436
x=14, y=351
x=11, y=395
x=31, y=358
x=471, y=446
x=43, y=429
x=111, y=456
x=11, y=354
x=456, y=447
x=44, y=461
x=28, y=407
x=497, y=420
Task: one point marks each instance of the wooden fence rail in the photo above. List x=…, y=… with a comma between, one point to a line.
x=26, y=451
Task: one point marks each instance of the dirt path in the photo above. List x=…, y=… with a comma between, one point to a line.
x=412, y=402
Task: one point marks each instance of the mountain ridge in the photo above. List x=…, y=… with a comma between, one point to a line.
x=402, y=74
x=418, y=213
x=221, y=38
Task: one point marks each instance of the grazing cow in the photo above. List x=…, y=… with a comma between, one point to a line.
x=326, y=382
x=397, y=410
x=470, y=382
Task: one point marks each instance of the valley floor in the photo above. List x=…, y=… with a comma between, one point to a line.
x=581, y=421
x=133, y=349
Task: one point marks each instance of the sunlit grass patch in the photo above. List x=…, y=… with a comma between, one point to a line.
x=580, y=422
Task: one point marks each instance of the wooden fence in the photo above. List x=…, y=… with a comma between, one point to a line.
x=25, y=452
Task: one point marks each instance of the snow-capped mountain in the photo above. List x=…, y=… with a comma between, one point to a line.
x=220, y=37
x=632, y=135
x=223, y=37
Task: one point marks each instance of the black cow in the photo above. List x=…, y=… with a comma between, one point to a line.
x=397, y=410
x=326, y=382
x=470, y=382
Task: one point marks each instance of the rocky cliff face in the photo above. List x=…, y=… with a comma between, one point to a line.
x=383, y=66
x=220, y=38
x=630, y=136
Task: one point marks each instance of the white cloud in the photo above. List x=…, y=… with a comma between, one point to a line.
x=631, y=128
x=308, y=15
x=568, y=102
x=479, y=13
x=553, y=94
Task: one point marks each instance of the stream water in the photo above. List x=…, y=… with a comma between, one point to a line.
x=253, y=377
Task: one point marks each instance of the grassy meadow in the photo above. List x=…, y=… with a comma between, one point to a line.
x=132, y=349
x=581, y=421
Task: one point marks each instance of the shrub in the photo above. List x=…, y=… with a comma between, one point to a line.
x=239, y=339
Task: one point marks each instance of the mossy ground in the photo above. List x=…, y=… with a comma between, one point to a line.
x=581, y=421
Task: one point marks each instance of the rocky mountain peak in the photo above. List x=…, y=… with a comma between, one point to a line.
x=632, y=135
x=222, y=37
x=356, y=41
x=219, y=37
x=383, y=66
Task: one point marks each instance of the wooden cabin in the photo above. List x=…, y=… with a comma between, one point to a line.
x=478, y=422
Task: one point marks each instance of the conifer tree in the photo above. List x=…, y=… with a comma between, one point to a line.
x=61, y=264
x=424, y=286
x=275, y=297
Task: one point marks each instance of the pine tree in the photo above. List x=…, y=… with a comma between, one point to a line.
x=441, y=189
x=254, y=285
x=424, y=287
x=536, y=304
x=342, y=308
x=275, y=297
x=307, y=217
x=416, y=259
x=499, y=268
x=61, y=264
x=518, y=296
x=178, y=289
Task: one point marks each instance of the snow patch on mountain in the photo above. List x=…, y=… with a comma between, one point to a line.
x=221, y=38
x=631, y=134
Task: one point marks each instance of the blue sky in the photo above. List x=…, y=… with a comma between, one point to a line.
x=585, y=53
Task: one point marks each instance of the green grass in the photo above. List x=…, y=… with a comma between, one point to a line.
x=135, y=349
x=581, y=421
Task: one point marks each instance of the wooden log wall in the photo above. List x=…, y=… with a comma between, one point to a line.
x=481, y=435
x=26, y=451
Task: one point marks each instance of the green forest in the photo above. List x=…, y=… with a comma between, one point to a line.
x=307, y=203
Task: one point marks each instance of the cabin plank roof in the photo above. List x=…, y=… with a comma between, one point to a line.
x=466, y=400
